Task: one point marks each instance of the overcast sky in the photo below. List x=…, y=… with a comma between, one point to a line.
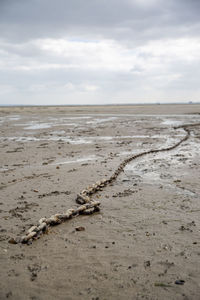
x=99, y=51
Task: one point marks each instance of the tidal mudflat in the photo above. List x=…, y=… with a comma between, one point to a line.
x=144, y=242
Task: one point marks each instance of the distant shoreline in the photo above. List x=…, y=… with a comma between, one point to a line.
x=128, y=109
x=99, y=105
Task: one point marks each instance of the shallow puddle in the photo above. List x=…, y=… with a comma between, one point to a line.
x=77, y=160
x=39, y=126
x=172, y=122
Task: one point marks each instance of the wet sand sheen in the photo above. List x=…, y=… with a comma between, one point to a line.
x=145, y=237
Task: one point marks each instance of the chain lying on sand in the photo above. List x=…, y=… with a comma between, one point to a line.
x=87, y=205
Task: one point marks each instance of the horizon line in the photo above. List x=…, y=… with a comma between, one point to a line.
x=105, y=104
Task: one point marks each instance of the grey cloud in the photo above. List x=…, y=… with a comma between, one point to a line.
x=131, y=23
x=124, y=20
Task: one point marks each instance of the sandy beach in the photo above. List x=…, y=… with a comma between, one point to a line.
x=144, y=242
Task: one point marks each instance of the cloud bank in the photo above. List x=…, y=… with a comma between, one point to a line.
x=97, y=52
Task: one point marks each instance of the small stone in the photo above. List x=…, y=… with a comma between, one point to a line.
x=147, y=263
x=12, y=241
x=80, y=228
x=164, y=222
x=182, y=228
x=180, y=282
x=9, y=294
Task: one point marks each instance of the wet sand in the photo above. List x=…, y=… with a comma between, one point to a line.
x=146, y=236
